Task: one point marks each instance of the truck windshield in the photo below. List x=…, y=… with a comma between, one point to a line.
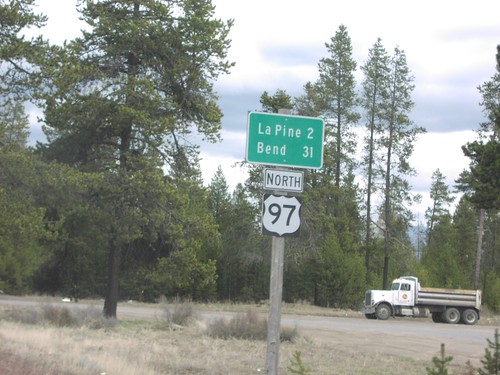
x=395, y=286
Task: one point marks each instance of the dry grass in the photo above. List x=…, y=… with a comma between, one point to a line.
x=176, y=315
x=139, y=347
x=299, y=308
x=136, y=347
x=60, y=316
x=246, y=326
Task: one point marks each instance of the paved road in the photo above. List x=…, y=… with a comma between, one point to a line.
x=406, y=337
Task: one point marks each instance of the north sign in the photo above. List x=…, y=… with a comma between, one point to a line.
x=277, y=139
x=284, y=180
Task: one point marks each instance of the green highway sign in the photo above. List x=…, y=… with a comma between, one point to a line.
x=277, y=139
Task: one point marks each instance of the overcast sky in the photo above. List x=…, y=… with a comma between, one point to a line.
x=277, y=44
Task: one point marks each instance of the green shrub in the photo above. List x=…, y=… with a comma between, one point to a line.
x=179, y=314
x=491, y=361
x=92, y=317
x=59, y=316
x=440, y=364
x=288, y=334
x=246, y=326
x=24, y=316
x=297, y=366
x=243, y=326
x=181, y=274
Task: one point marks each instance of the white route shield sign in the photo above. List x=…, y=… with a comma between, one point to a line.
x=281, y=215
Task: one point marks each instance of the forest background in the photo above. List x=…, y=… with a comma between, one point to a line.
x=113, y=204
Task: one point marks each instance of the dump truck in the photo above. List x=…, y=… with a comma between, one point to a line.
x=408, y=298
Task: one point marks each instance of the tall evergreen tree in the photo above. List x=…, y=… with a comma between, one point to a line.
x=387, y=102
x=331, y=194
x=218, y=194
x=336, y=90
x=482, y=180
x=441, y=259
x=337, y=100
x=14, y=126
x=125, y=95
x=466, y=238
x=375, y=93
x=21, y=219
x=397, y=139
x=441, y=198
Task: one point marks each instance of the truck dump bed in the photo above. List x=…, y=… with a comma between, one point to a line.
x=447, y=297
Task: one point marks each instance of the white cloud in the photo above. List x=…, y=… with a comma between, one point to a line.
x=440, y=151
x=233, y=173
x=63, y=23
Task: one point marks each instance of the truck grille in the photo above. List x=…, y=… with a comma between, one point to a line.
x=368, y=298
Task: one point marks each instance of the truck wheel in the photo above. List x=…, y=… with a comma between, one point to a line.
x=383, y=312
x=470, y=316
x=451, y=315
x=437, y=317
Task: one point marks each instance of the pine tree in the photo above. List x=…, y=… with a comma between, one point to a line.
x=482, y=180
x=491, y=361
x=466, y=238
x=336, y=89
x=337, y=100
x=297, y=366
x=124, y=97
x=397, y=138
x=273, y=103
x=218, y=195
x=440, y=364
x=14, y=127
x=441, y=198
x=332, y=194
x=375, y=91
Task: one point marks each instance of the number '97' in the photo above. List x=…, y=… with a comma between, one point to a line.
x=276, y=211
